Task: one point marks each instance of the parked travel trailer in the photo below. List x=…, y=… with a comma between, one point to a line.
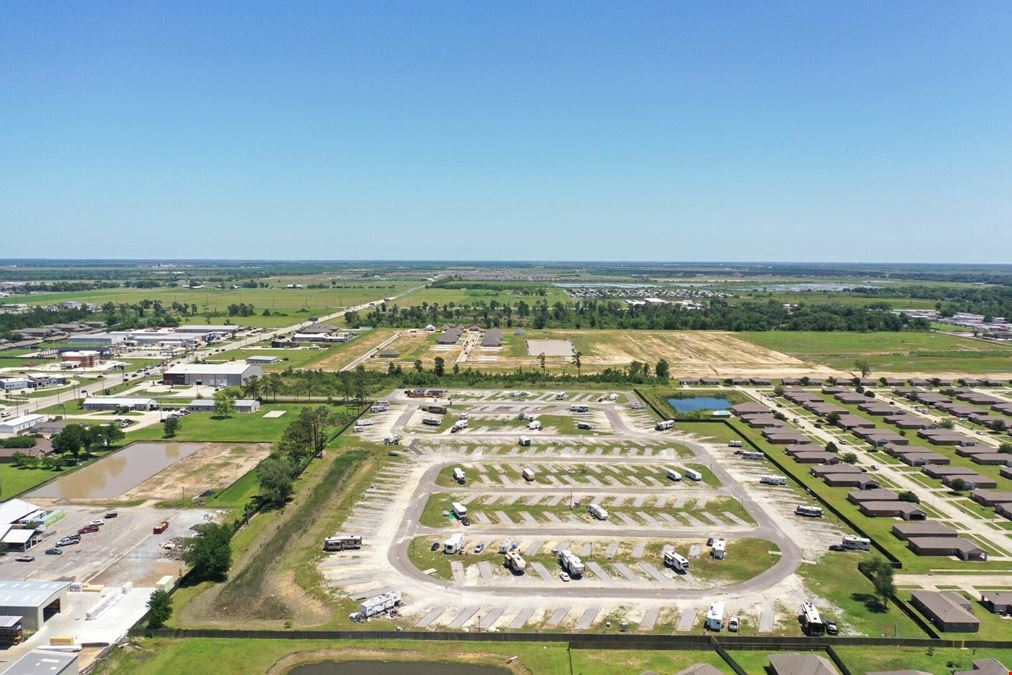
x=515, y=562
x=458, y=475
x=586, y=426
x=734, y=444
x=579, y=408
x=571, y=563
x=665, y=425
x=561, y=396
x=676, y=561
x=719, y=550
x=454, y=544
x=526, y=416
x=808, y=511
x=534, y=426
x=811, y=620
x=753, y=455
x=715, y=616
x=528, y=474
x=458, y=426
x=597, y=511
x=342, y=542
x=773, y=480
x=377, y=605
x=393, y=439
x=525, y=440
x=435, y=409
x=507, y=545
x=692, y=474
x=854, y=543
x=612, y=397
x=432, y=421
x=673, y=475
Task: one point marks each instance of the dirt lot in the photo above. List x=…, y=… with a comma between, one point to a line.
x=216, y=465
x=354, y=349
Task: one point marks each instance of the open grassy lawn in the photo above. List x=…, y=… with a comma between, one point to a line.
x=634, y=662
x=443, y=296
x=889, y=352
x=246, y=657
x=865, y=659
x=240, y=428
x=14, y=481
x=301, y=357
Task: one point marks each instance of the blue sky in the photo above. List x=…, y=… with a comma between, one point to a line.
x=808, y=131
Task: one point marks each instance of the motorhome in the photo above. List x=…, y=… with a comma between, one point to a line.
x=715, y=616
x=673, y=475
x=586, y=426
x=676, y=561
x=525, y=441
x=773, y=480
x=393, y=439
x=458, y=475
x=579, y=408
x=811, y=620
x=664, y=425
x=808, y=511
x=515, y=562
x=459, y=509
x=507, y=545
x=535, y=426
x=854, y=543
x=692, y=474
x=597, y=511
x=435, y=409
x=612, y=397
x=571, y=563
x=431, y=421
x=561, y=396
x=454, y=544
x=528, y=474
x=342, y=542
x=458, y=426
x=526, y=416
x=719, y=550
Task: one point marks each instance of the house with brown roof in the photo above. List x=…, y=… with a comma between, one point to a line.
x=948, y=611
x=801, y=664
x=851, y=397
x=923, y=458
x=786, y=437
x=896, y=509
x=946, y=471
x=945, y=437
x=988, y=666
x=997, y=602
x=879, y=437
x=856, y=480
x=814, y=456
x=750, y=408
x=972, y=481
x=947, y=546
x=854, y=422
x=923, y=528
x=764, y=422
x=991, y=497
x=876, y=408
x=992, y=459
x=879, y=495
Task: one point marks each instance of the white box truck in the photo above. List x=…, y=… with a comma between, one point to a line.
x=676, y=561
x=597, y=511
x=715, y=616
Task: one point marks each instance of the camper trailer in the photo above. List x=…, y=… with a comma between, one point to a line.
x=525, y=441
x=534, y=426
x=808, y=511
x=515, y=562
x=525, y=416
x=597, y=511
x=734, y=444
x=342, y=542
x=811, y=621
x=665, y=425
x=719, y=550
x=435, y=409
x=757, y=456
x=692, y=474
x=579, y=408
x=773, y=480
x=528, y=475
x=854, y=543
x=431, y=421
x=459, y=425
x=715, y=616
x=377, y=605
x=458, y=475
x=676, y=561
x=585, y=426
x=561, y=396
x=673, y=475
x=454, y=544
x=393, y=439
x=459, y=509
x=571, y=563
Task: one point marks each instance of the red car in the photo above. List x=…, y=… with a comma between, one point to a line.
x=160, y=527
x=88, y=528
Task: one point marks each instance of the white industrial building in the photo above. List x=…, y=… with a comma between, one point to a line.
x=34, y=601
x=18, y=424
x=232, y=373
x=242, y=405
x=263, y=360
x=45, y=662
x=15, y=383
x=114, y=402
x=223, y=329
x=95, y=339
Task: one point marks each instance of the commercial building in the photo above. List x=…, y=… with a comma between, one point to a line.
x=15, y=383
x=207, y=405
x=223, y=329
x=86, y=358
x=115, y=402
x=45, y=662
x=231, y=373
x=263, y=360
x=34, y=601
x=949, y=612
x=17, y=425
x=96, y=339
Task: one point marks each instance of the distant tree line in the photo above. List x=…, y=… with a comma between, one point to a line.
x=719, y=315
x=990, y=301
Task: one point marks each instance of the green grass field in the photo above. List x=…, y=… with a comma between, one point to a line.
x=241, y=428
x=443, y=296
x=889, y=352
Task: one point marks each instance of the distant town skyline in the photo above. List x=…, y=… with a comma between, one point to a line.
x=785, y=131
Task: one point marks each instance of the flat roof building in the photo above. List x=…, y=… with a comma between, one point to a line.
x=16, y=425
x=45, y=662
x=114, y=402
x=263, y=360
x=231, y=373
x=242, y=405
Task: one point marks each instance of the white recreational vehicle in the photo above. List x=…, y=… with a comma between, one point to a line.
x=692, y=474
x=377, y=605
x=674, y=475
x=571, y=563
x=342, y=542
x=525, y=441
x=854, y=543
x=534, y=426
x=597, y=511
x=458, y=475
x=515, y=562
x=454, y=544
x=579, y=408
x=719, y=549
x=773, y=480
x=808, y=511
x=715, y=616
x=664, y=425
x=676, y=561
x=528, y=474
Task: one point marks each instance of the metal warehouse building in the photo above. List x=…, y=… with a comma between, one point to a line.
x=34, y=601
x=213, y=374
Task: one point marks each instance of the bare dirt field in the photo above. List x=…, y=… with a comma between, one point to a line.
x=354, y=349
x=214, y=466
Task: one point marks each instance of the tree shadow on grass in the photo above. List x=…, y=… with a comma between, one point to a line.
x=870, y=602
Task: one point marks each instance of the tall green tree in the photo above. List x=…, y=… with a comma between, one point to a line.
x=224, y=403
x=159, y=608
x=209, y=552
x=276, y=475
x=170, y=427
